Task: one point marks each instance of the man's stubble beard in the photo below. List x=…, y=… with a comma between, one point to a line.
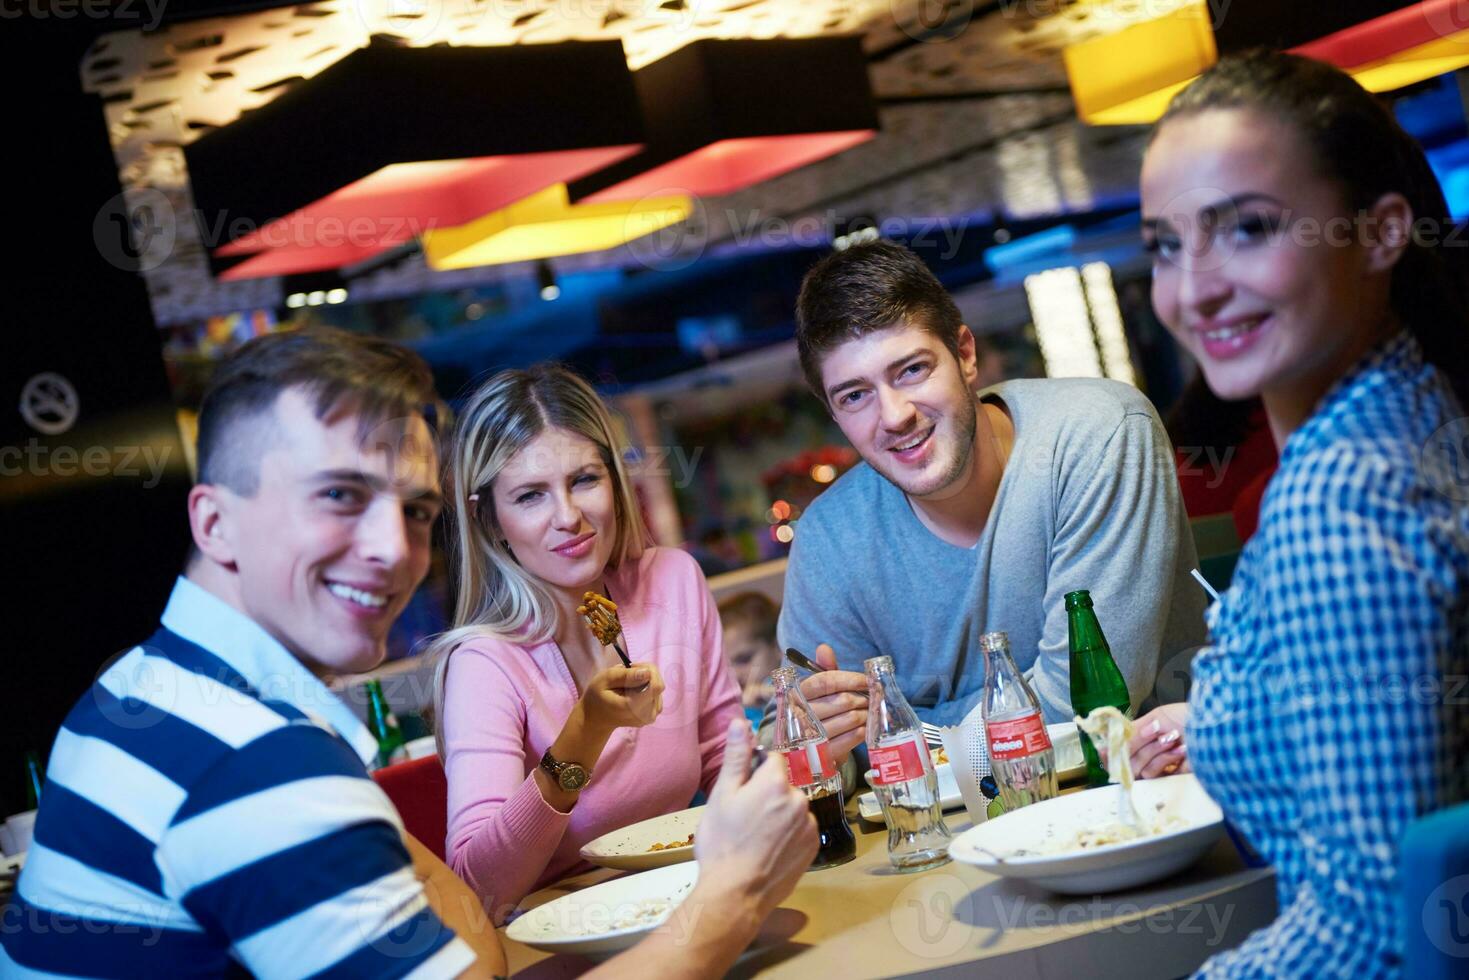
x=967, y=426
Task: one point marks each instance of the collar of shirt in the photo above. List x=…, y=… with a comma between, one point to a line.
x=201, y=617
x=1397, y=355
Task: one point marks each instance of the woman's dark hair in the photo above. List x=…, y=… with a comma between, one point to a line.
x=1201, y=418
x=1358, y=144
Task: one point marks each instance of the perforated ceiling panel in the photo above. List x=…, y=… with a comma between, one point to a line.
x=1017, y=148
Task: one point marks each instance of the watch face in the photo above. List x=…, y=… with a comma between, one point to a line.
x=573, y=777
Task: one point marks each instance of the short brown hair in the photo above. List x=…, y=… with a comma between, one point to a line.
x=752, y=610
x=377, y=380
x=863, y=289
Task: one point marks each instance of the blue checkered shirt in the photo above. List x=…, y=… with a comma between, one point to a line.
x=1330, y=709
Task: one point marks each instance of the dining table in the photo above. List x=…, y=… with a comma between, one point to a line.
x=866, y=919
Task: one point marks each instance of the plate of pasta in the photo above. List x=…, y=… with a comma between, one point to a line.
x=1116, y=836
x=653, y=843
x=608, y=918
x=1079, y=844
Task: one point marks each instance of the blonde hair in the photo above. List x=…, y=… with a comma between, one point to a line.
x=496, y=596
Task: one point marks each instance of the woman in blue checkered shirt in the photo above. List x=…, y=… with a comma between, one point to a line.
x=1302, y=254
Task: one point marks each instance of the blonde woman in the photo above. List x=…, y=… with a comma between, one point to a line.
x=549, y=741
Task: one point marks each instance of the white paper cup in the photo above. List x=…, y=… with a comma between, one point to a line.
x=422, y=747
x=969, y=758
x=7, y=843
x=19, y=827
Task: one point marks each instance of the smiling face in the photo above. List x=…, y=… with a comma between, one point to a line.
x=330, y=547
x=555, y=508
x=1260, y=271
x=906, y=405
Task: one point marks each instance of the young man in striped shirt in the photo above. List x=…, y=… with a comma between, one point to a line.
x=207, y=805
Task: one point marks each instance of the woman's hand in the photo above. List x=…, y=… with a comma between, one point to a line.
x=618, y=697
x=622, y=697
x=1157, y=748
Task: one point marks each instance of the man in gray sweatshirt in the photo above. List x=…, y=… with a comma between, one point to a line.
x=972, y=513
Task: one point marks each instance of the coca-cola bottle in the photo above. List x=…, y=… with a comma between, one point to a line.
x=1021, y=756
x=801, y=738
x=902, y=774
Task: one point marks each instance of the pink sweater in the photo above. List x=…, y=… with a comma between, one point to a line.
x=504, y=704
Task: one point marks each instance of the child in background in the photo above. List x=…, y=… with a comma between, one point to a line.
x=748, y=619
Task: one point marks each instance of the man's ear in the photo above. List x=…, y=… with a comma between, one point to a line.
x=968, y=360
x=210, y=523
x=1393, y=217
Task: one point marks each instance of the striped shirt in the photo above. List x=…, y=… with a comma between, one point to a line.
x=207, y=809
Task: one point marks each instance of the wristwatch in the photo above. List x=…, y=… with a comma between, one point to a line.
x=568, y=775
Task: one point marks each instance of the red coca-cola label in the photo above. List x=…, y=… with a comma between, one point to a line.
x=809, y=764
x=899, y=762
x=1016, y=738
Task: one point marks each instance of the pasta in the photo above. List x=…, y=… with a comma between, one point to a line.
x=1112, y=728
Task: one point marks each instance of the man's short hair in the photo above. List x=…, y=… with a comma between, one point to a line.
x=863, y=289
x=373, y=379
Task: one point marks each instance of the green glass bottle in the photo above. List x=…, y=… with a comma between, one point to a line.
x=35, y=776
x=384, y=727
x=1095, y=679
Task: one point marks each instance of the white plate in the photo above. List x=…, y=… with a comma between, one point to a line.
x=1069, y=763
x=578, y=923
x=627, y=849
x=1100, y=869
x=422, y=747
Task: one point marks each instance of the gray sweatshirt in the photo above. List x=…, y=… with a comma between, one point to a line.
x=1089, y=499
